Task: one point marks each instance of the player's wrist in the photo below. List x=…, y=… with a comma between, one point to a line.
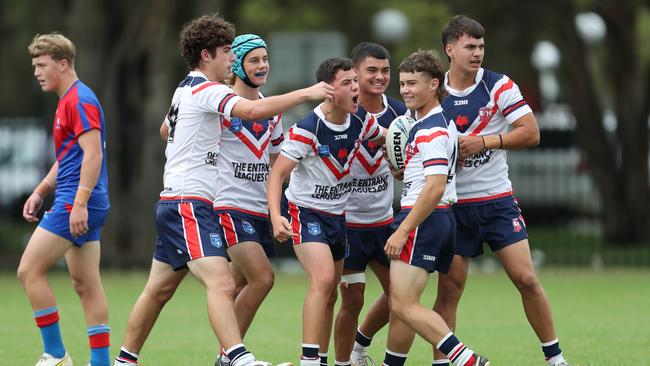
x=492, y=142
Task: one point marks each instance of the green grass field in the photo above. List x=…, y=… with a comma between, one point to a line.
x=603, y=318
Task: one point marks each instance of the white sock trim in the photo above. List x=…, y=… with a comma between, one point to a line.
x=360, y=332
x=234, y=347
x=546, y=344
x=310, y=345
x=444, y=339
x=404, y=355
x=129, y=352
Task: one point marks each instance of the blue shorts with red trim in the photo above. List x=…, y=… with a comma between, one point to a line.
x=239, y=226
x=57, y=221
x=311, y=225
x=431, y=245
x=498, y=223
x=187, y=230
x=365, y=245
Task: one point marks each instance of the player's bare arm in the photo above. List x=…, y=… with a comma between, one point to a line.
x=91, y=144
x=272, y=106
x=524, y=134
x=434, y=188
x=35, y=201
x=164, y=131
x=280, y=172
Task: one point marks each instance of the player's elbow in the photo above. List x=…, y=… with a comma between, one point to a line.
x=533, y=138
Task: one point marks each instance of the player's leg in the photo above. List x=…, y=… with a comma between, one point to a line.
x=250, y=260
x=398, y=344
x=316, y=259
x=517, y=262
x=83, y=264
x=352, y=297
x=159, y=289
x=450, y=290
x=326, y=332
x=407, y=284
x=43, y=250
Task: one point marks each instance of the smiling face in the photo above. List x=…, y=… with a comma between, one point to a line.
x=48, y=72
x=346, y=91
x=256, y=66
x=374, y=75
x=466, y=53
x=418, y=89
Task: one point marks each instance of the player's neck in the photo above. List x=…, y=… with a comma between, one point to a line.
x=421, y=112
x=67, y=79
x=333, y=114
x=460, y=80
x=245, y=91
x=372, y=103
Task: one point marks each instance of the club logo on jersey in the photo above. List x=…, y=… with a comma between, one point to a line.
x=313, y=228
x=323, y=150
x=516, y=226
x=258, y=128
x=248, y=227
x=215, y=240
x=462, y=122
x=373, y=146
x=342, y=155
x=236, y=125
x=485, y=114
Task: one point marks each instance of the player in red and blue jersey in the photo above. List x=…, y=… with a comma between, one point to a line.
x=425, y=228
x=491, y=116
x=71, y=228
x=318, y=153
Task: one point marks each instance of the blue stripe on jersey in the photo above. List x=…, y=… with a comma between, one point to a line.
x=513, y=107
x=192, y=81
x=224, y=102
x=434, y=120
x=434, y=162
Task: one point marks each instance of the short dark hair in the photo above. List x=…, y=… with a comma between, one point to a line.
x=204, y=33
x=459, y=25
x=369, y=49
x=428, y=62
x=327, y=69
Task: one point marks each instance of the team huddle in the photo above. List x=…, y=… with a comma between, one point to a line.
x=222, y=203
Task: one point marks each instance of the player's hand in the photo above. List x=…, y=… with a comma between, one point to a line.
x=320, y=91
x=32, y=206
x=398, y=174
x=79, y=219
x=469, y=145
x=281, y=229
x=395, y=243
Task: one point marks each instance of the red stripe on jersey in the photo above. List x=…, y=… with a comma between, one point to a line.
x=92, y=116
x=430, y=137
x=485, y=122
x=190, y=230
x=433, y=162
x=100, y=340
x=330, y=165
x=294, y=213
x=249, y=212
x=407, y=251
x=249, y=144
x=206, y=85
x=228, y=225
x=370, y=168
x=513, y=107
x=47, y=319
x=224, y=102
x=300, y=138
x=185, y=198
x=486, y=198
x=353, y=225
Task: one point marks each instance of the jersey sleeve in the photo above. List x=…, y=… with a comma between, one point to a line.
x=372, y=128
x=277, y=134
x=299, y=143
x=432, y=144
x=84, y=116
x=510, y=102
x=216, y=98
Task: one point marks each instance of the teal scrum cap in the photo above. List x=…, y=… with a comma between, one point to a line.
x=241, y=46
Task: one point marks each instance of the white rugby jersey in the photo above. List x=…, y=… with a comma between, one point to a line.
x=486, y=108
x=194, y=122
x=432, y=148
x=371, y=201
x=243, y=163
x=324, y=152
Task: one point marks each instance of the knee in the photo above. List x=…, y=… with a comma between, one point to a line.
x=399, y=308
x=527, y=283
x=352, y=301
x=265, y=281
x=24, y=274
x=331, y=300
x=160, y=294
x=323, y=283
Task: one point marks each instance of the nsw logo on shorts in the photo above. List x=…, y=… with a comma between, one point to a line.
x=236, y=125
x=215, y=240
x=248, y=227
x=313, y=228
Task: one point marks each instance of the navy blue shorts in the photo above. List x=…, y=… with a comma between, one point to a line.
x=187, y=230
x=240, y=226
x=317, y=226
x=498, y=223
x=57, y=221
x=431, y=244
x=366, y=245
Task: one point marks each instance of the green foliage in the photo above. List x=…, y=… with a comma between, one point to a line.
x=590, y=310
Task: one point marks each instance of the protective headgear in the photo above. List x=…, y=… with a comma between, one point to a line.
x=241, y=46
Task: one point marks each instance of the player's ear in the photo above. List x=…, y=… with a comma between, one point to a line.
x=449, y=50
x=434, y=83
